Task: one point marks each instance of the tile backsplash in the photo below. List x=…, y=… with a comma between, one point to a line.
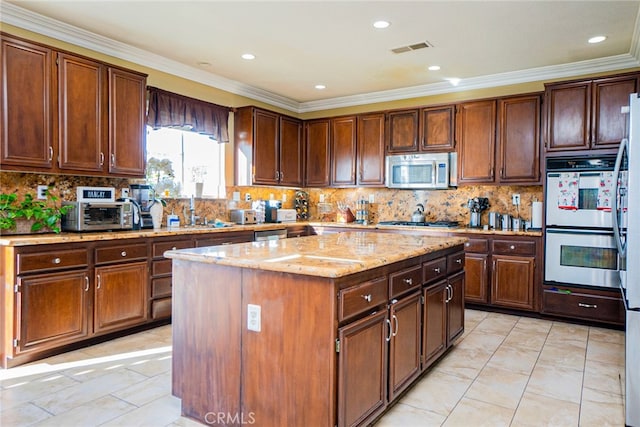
x=387, y=204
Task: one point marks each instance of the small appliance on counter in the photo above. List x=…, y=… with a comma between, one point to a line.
x=495, y=220
x=476, y=206
x=271, y=210
x=142, y=195
x=243, y=216
x=96, y=210
x=286, y=215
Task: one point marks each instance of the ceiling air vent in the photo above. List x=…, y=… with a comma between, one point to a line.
x=411, y=47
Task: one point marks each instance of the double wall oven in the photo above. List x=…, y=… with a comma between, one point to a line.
x=580, y=247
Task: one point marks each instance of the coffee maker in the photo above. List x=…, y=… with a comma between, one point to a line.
x=143, y=195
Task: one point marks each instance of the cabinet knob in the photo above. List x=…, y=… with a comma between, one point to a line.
x=437, y=270
x=57, y=260
x=408, y=281
x=512, y=247
x=467, y=244
x=123, y=253
x=367, y=297
x=173, y=248
x=459, y=261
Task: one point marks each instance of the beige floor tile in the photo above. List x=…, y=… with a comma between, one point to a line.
x=160, y=412
x=470, y=412
x=185, y=422
x=520, y=360
x=606, y=335
x=465, y=363
x=22, y=415
x=536, y=410
x=91, y=413
x=437, y=392
x=606, y=352
x=409, y=416
x=153, y=365
x=495, y=323
x=522, y=338
x=562, y=332
x=600, y=408
x=475, y=315
x=568, y=354
x=556, y=382
x=498, y=387
x=49, y=385
x=604, y=377
x=87, y=391
x=534, y=325
x=145, y=391
x=481, y=341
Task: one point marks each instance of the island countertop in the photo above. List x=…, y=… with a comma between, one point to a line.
x=332, y=255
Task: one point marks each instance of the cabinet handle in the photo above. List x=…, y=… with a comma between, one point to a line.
x=123, y=253
x=388, y=338
x=408, y=281
x=50, y=153
x=512, y=247
x=101, y=158
x=367, y=297
x=459, y=261
x=276, y=175
x=99, y=282
x=395, y=331
x=113, y=159
x=583, y=305
x=86, y=283
x=173, y=248
x=281, y=177
x=437, y=270
x=57, y=260
x=467, y=244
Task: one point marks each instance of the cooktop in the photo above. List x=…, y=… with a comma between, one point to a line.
x=447, y=224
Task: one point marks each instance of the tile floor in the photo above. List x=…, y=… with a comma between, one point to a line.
x=506, y=370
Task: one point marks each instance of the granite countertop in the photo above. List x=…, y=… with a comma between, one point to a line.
x=333, y=255
x=532, y=233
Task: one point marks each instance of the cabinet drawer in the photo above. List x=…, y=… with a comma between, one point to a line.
x=477, y=245
x=514, y=247
x=404, y=280
x=40, y=261
x=360, y=298
x=159, y=248
x=435, y=270
x=161, y=267
x=121, y=253
x=582, y=305
x=161, y=309
x=161, y=287
x=455, y=262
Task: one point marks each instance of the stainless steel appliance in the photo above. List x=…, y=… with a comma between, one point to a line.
x=98, y=216
x=271, y=210
x=243, y=216
x=286, y=215
x=421, y=171
x=142, y=194
x=265, y=235
x=626, y=227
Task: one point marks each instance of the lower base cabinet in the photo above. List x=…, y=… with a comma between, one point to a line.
x=404, y=342
x=589, y=304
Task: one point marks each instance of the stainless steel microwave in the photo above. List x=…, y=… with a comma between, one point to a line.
x=98, y=216
x=421, y=171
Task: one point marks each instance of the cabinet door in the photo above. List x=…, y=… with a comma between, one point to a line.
x=519, y=144
x=53, y=310
x=127, y=131
x=404, y=349
x=512, y=281
x=403, y=127
x=609, y=96
x=265, y=147
x=81, y=114
x=362, y=369
x=26, y=127
x=370, y=149
x=317, y=153
x=437, y=128
x=291, y=152
x=476, y=125
x=477, y=282
x=568, y=116
x=121, y=296
x=343, y=151
x=434, y=328
x=455, y=307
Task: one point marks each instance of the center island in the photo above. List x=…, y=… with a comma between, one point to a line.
x=313, y=331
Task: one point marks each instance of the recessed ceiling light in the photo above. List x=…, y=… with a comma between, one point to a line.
x=381, y=24
x=453, y=80
x=248, y=56
x=320, y=87
x=434, y=68
x=597, y=39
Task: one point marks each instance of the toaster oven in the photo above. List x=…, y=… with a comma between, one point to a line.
x=102, y=216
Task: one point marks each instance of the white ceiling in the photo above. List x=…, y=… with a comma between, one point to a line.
x=299, y=44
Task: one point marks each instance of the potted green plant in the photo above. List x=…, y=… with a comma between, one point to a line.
x=30, y=214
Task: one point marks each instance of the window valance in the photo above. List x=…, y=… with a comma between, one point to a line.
x=168, y=109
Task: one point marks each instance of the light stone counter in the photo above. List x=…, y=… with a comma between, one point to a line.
x=332, y=255
x=442, y=230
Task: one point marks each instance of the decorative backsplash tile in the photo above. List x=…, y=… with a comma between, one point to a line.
x=388, y=204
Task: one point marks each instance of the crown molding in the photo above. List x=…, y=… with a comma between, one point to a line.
x=40, y=24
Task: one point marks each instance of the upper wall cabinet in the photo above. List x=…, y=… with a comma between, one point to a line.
x=424, y=129
x=68, y=114
x=476, y=134
x=317, y=153
x=269, y=148
x=586, y=114
x=343, y=151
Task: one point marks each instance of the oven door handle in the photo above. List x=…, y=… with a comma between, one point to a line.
x=579, y=231
x=624, y=145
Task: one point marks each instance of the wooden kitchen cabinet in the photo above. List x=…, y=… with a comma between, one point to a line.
x=476, y=141
x=584, y=303
x=28, y=85
x=402, y=131
x=518, y=156
x=455, y=307
x=161, y=277
x=585, y=114
x=343, y=151
x=434, y=340
x=370, y=150
x=424, y=129
x=317, y=153
x=291, y=154
x=477, y=271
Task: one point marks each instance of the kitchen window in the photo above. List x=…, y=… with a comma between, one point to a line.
x=183, y=163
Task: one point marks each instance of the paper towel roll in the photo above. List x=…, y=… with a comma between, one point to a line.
x=536, y=215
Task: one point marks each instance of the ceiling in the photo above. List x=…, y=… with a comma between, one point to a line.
x=299, y=44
